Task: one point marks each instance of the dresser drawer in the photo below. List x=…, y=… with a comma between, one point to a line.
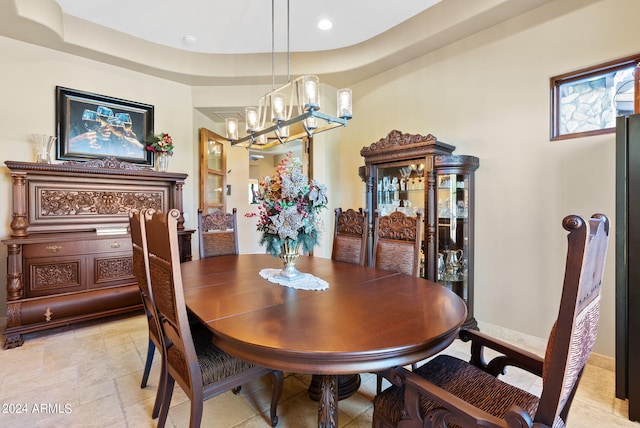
x=47, y=276
x=108, y=245
x=109, y=269
x=55, y=249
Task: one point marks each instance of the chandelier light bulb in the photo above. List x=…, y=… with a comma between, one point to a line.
x=311, y=85
x=283, y=132
x=231, y=125
x=278, y=101
x=251, y=116
x=344, y=103
x=311, y=123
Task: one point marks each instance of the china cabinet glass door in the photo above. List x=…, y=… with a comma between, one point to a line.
x=400, y=187
x=453, y=232
x=450, y=248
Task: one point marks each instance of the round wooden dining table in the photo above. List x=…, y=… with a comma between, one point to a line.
x=366, y=321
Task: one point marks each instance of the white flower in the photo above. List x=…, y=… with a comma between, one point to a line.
x=286, y=223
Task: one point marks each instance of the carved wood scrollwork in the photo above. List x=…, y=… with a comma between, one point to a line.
x=351, y=223
x=15, y=285
x=61, y=203
x=217, y=220
x=14, y=316
x=114, y=268
x=55, y=275
x=397, y=226
x=328, y=416
x=109, y=162
x=48, y=197
x=395, y=139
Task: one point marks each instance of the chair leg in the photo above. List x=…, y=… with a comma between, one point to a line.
x=276, y=393
x=196, y=413
x=166, y=401
x=162, y=385
x=147, y=366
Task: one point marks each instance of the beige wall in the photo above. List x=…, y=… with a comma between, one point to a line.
x=488, y=95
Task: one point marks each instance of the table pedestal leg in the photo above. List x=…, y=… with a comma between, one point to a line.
x=328, y=403
x=347, y=386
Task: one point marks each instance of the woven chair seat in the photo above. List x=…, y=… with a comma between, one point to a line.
x=215, y=364
x=462, y=380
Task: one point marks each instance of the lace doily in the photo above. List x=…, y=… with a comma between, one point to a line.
x=305, y=281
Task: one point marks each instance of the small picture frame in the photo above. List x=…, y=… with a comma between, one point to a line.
x=92, y=126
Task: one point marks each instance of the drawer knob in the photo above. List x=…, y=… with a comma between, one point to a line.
x=54, y=248
x=115, y=244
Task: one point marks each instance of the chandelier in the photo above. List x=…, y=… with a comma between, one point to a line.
x=290, y=112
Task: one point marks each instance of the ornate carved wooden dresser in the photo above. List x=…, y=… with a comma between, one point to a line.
x=69, y=255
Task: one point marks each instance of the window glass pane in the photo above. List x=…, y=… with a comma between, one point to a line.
x=215, y=155
x=214, y=188
x=593, y=103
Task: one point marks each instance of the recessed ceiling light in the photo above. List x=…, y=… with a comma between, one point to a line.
x=325, y=24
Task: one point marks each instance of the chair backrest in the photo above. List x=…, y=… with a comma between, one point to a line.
x=166, y=285
x=141, y=270
x=397, y=240
x=350, y=236
x=217, y=233
x=574, y=332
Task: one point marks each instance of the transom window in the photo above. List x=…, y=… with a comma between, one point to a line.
x=587, y=102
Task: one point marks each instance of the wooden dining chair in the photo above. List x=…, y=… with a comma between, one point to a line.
x=200, y=368
x=350, y=236
x=447, y=391
x=217, y=233
x=141, y=273
x=397, y=241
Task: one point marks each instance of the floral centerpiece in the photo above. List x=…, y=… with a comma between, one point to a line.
x=290, y=209
x=160, y=143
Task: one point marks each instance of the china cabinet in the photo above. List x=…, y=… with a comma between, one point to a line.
x=411, y=172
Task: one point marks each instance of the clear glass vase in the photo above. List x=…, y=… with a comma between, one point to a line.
x=43, y=145
x=162, y=162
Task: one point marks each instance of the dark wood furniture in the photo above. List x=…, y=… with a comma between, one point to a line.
x=138, y=234
x=328, y=332
x=217, y=233
x=405, y=172
x=59, y=269
x=202, y=370
x=627, y=266
x=397, y=242
x=448, y=391
x=350, y=236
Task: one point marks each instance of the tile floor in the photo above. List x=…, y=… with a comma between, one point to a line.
x=89, y=376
